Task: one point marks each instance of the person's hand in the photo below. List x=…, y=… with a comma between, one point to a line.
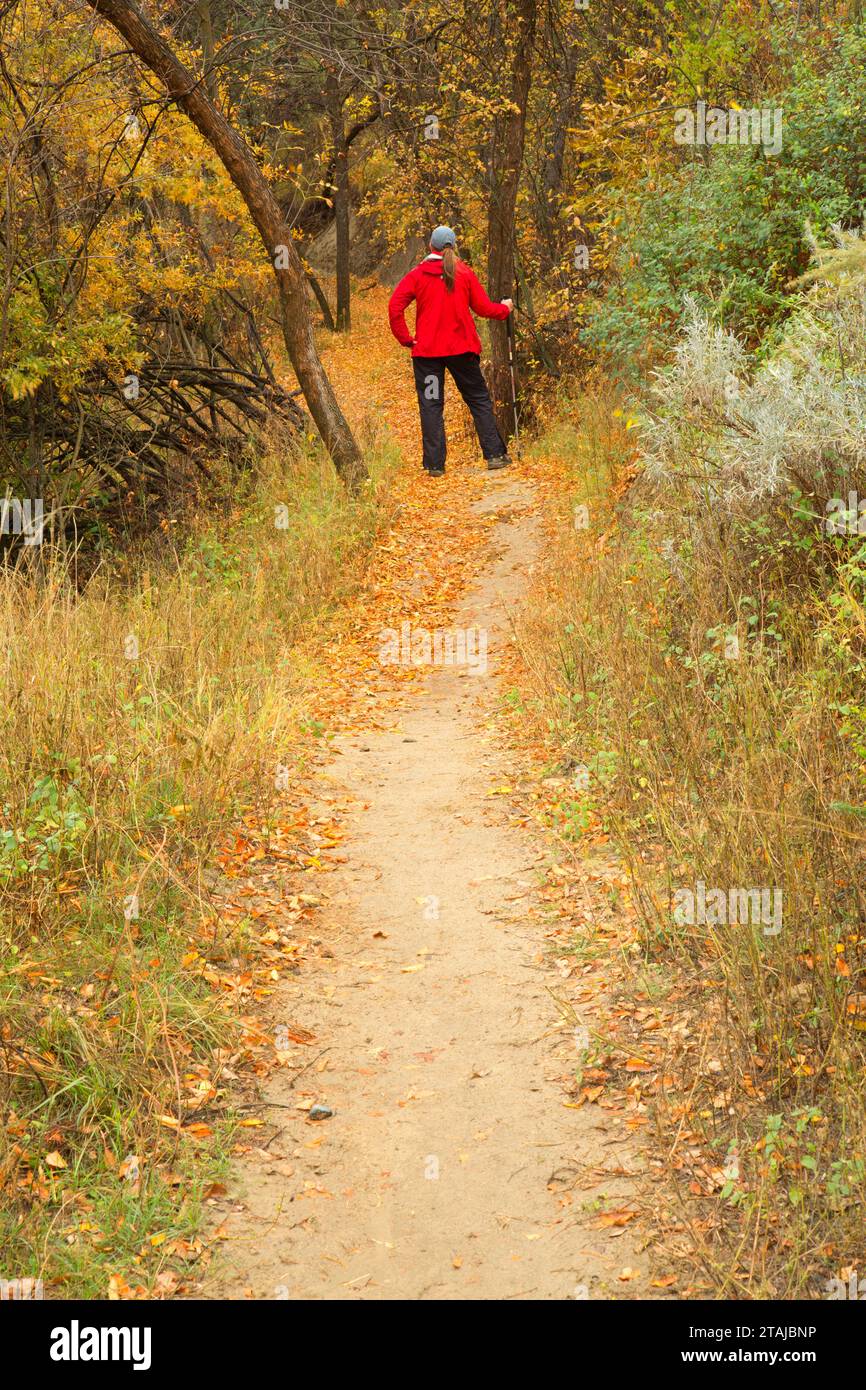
x=509, y=303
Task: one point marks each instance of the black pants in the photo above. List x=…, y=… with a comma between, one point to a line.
x=430, y=384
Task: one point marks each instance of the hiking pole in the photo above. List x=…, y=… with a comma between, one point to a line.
x=509, y=327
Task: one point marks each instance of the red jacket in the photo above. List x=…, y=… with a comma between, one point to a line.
x=443, y=322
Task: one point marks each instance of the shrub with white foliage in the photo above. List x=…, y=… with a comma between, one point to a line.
x=801, y=418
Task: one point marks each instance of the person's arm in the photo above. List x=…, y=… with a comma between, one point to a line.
x=480, y=304
x=397, y=306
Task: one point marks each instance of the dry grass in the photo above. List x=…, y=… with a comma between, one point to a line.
x=737, y=771
x=138, y=719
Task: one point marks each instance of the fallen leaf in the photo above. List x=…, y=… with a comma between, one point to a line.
x=614, y=1218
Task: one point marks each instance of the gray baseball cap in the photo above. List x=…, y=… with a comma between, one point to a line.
x=442, y=237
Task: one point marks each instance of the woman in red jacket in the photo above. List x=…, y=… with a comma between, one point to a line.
x=445, y=291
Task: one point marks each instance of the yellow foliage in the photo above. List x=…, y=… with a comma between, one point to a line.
x=140, y=194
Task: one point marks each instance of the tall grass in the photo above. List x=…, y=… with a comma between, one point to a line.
x=139, y=717
x=705, y=665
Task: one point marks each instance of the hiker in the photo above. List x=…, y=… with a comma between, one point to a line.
x=445, y=290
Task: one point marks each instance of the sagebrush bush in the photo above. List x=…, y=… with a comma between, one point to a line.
x=799, y=421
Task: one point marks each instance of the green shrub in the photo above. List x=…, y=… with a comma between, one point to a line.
x=732, y=229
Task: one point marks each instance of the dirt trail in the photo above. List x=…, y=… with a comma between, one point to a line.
x=440, y=1046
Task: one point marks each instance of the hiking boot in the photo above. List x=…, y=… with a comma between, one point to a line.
x=435, y=472
x=502, y=461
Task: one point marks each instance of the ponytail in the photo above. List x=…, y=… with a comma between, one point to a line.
x=449, y=267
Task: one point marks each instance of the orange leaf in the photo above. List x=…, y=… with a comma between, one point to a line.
x=614, y=1218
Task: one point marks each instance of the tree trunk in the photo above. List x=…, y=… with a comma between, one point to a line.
x=341, y=212
x=322, y=301
x=205, y=26
x=550, y=202
x=341, y=206
x=509, y=129
x=241, y=166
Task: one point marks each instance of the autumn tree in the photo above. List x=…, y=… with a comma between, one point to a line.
x=236, y=156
